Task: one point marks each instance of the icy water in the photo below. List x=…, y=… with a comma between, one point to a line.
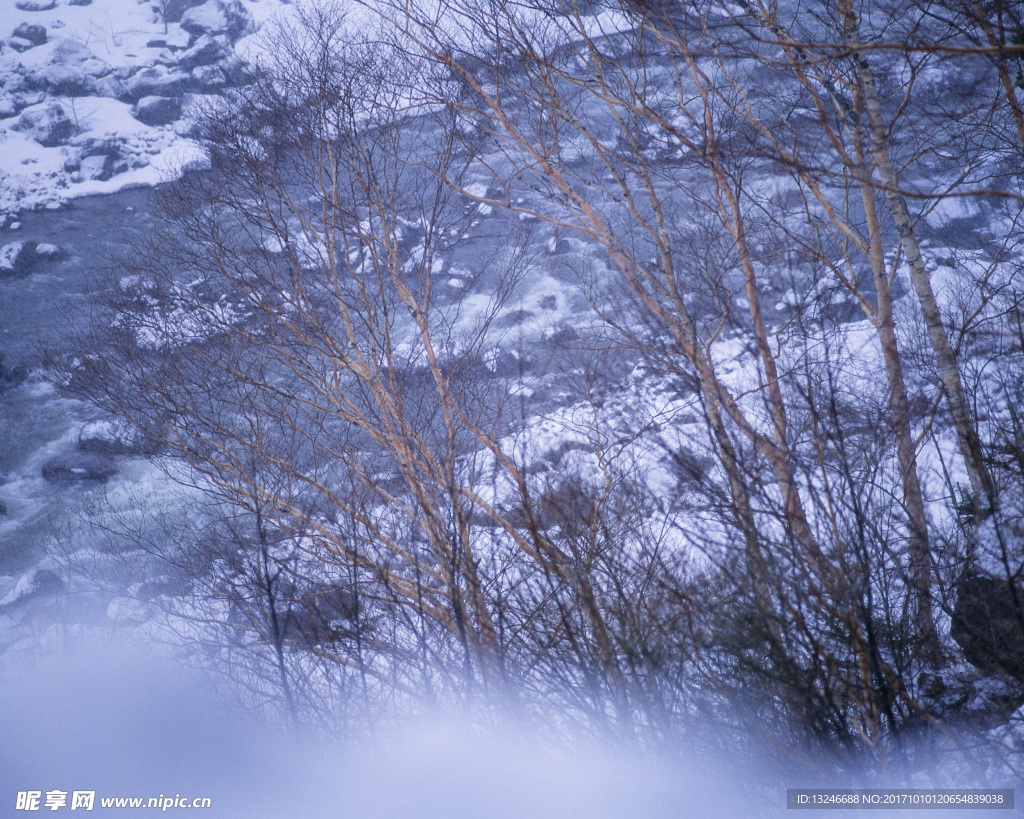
x=36, y=422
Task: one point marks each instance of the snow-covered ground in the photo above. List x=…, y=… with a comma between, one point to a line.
x=95, y=94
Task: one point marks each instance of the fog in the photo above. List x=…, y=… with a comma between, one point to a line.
x=123, y=723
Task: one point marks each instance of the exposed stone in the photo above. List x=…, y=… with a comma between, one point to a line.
x=206, y=51
x=988, y=624
x=79, y=466
x=35, y=5
x=11, y=376
x=18, y=258
x=113, y=438
x=20, y=44
x=110, y=86
x=157, y=110
x=217, y=17
x=33, y=584
x=66, y=81
x=209, y=78
x=174, y=9
x=98, y=167
x=157, y=81
x=46, y=123
x=34, y=33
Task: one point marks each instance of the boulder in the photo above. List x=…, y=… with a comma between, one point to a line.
x=174, y=9
x=34, y=33
x=18, y=258
x=20, y=44
x=988, y=624
x=113, y=438
x=157, y=110
x=217, y=17
x=35, y=5
x=46, y=123
x=65, y=81
x=72, y=71
x=32, y=584
x=209, y=78
x=98, y=167
x=206, y=51
x=110, y=86
x=11, y=376
x=157, y=81
x=79, y=466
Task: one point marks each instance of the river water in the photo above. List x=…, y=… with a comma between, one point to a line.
x=36, y=310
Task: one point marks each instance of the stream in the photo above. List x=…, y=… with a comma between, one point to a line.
x=37, y=423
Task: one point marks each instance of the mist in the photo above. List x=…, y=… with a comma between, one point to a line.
x=125, y=723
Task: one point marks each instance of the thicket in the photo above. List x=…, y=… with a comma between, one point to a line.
x=757, y=483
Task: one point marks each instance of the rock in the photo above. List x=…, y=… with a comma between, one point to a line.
x=988, y=624
x=46, y=123
x=209, y=78
x=20, y=44
x=65, y=81
x=157, y=110
x=19, y=258
x=79, y=466
x=236, y=70
x=110, y=86
x=11, y=376
x=79, y=2
x=35, y=583
x=127, y=611
x=113, y=438
x=35, y=5
x=174, y=9
x=98, y=167
x=157, y=81
x=163, y=587
x=206, y=51
x=44, y=250
x=566, y=334
x=217, y=17
x=35, y=34
x=3, y=508
x=72, y=71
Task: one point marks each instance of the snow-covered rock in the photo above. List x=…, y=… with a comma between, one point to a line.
x=47, y=123
x=206, y=51
x=158, y=81
x=157, y=110
x=217, y=17
x=173, y=10
x=18, y=258
x=71, y=71
x=35, y=5
x=35, y=583
x=97, y=167
x=33, y=32
x=113, y=438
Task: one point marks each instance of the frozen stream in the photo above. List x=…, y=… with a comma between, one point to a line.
x=36, y=422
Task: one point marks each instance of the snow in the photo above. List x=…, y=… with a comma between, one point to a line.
x=90, y=53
